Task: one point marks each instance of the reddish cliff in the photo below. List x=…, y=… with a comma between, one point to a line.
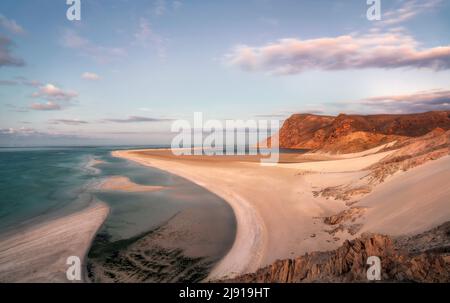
x=354, y=133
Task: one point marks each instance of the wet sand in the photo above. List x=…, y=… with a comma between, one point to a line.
x=123, y=184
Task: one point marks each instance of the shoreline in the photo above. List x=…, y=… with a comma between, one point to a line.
x=280, y=212
x=38, y=253
x=249, y=243
x=267, y=219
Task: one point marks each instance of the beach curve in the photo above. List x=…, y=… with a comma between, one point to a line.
x=250, y=243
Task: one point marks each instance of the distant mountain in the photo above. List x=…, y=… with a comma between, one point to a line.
x=355, y=133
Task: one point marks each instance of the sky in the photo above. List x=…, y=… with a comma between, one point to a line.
x=129, y=68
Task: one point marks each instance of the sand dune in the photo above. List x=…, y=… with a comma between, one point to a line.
x=39, y=254
x=416, y=201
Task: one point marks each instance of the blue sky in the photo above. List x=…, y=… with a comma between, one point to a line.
x=122, y=73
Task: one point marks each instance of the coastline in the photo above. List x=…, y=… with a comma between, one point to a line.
x=251, y=236
x=38, y=253
x=267, y=219
x=280, y=212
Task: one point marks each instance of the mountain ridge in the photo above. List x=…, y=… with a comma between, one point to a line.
x=354, y=133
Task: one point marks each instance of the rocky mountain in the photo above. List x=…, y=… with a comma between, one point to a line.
x=420, y=258
x=355, y=133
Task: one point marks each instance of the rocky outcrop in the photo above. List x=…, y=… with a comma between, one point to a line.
x=355, y=133
x=409, y=259
x=302, y=131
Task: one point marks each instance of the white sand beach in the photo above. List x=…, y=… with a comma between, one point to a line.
x=278, y=215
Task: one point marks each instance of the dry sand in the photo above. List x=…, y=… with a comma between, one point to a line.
x=346, y=164
x=39, y=253
x=277, y=214
x=412, y=202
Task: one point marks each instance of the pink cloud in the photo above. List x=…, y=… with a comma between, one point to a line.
x=436, y=99
x=375, y=50
x=49, y=106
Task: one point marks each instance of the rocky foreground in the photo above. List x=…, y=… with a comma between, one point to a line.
x=421, y=258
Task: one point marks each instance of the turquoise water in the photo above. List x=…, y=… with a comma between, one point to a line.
x=37, y=183
x=40, y=183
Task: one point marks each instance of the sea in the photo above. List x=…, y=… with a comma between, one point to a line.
x=39, y=184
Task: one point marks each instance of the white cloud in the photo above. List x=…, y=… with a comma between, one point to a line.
x=51, y=92
x=16, y=131
x=90, y=76
x=292, y=56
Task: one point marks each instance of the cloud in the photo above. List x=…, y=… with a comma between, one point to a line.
x=8, y=82
x=16, y=131
x=101, y=54
x=6, y=58
x=34, y=83
x=136, y=119
x=17, y=109
x=49, y=106
x=407, y=10
x=20, y=80
x=51, y=92
x=271, y=116
x=375, y=50
x=436, y=99
x=11, y=25
x=31, y=137
x=146, y=37
x=177, y=5
x=68, y=121
x=160, y=7
x=90, y=76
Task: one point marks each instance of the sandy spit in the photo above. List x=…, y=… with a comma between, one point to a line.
x=38, y=254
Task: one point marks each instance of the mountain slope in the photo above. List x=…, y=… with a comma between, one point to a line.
x=355, y=133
